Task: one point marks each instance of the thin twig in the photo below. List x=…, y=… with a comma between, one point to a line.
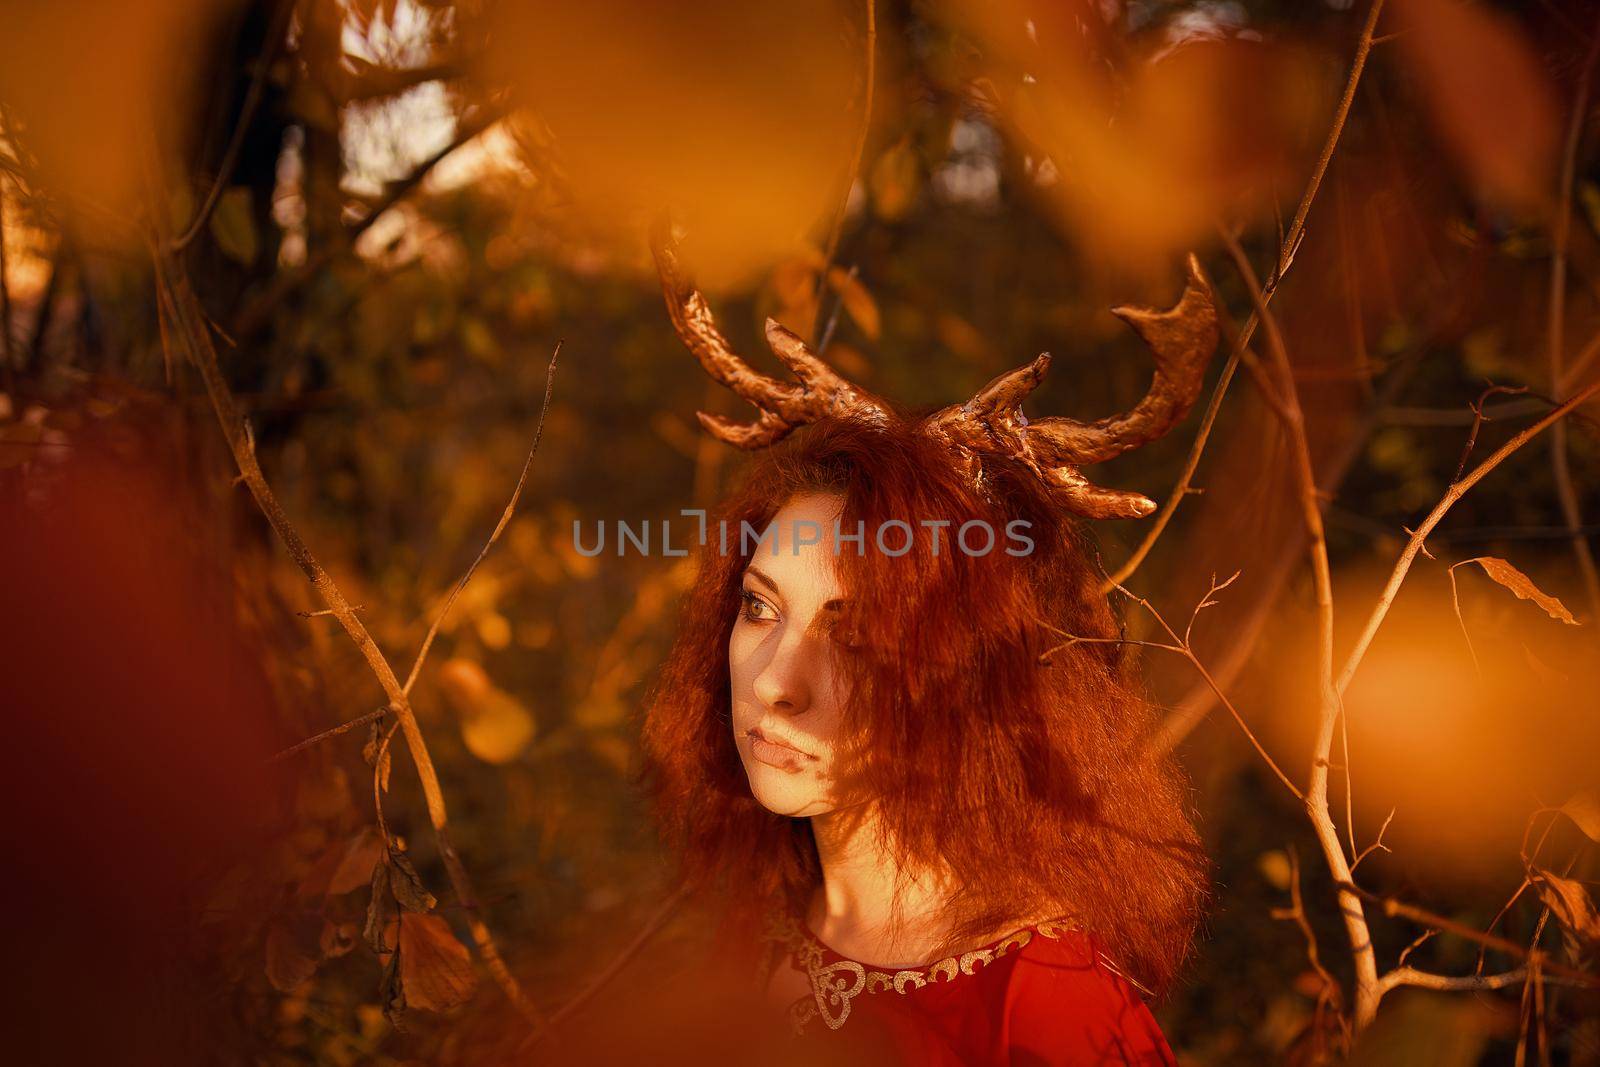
x=9, y=383
x=1479, y=417
x=1186, y=478
x=325, y=611
x=651, y=928
x=1455, y=602
x=276, y=35
x=1501, y=914
x=1420, y=940
x=378, y=784
x=836, y=230
x=505, y=520
x=1297, y=913
x=1421, y=416
x=1180, y=646
x=1580, y=363
x=343, y=727
x=1376, y=845
x=1399, y=909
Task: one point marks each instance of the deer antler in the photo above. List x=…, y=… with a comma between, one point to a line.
x=1182, y=339
x=819, y=393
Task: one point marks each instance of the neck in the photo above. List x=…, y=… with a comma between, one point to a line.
x=857, y=910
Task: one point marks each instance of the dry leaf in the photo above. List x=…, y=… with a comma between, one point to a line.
x=382, y=912
x=739, y=115
x=315, y=882
x=1569, y=902
x=435, y=967
x=500, y=731
x=1274, y=867
x=1522, y=586
x=848, y=360
x=369, y=752
x=496, y=726
x=407, y=885
x=89, y=84
x=233, y=226
x=894, y=181
x=857, y=301
x=337, y=939
x=364, y=850
x=1584, y=810
x=293, y=951
x=391, y=991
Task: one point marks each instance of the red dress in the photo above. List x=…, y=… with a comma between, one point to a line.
x=1044, y=994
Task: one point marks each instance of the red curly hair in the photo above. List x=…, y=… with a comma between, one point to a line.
x=1016, y=773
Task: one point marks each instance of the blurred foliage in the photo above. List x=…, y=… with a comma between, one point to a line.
x=409, y=202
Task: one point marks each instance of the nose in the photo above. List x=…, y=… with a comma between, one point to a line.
x=783, y=683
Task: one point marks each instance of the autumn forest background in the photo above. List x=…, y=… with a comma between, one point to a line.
x=310, y=309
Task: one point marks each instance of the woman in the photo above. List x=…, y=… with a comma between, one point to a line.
x=883, y=745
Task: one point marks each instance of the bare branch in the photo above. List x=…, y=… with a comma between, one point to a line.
x=320, y=613
x=1330, y=707
x=190, y=327
x=1399, y=909
x=1181, y=647
x=1181, y=489
x=1455, y=416
x=1454, y=493
x=1479, y=417
x=1286, y=251
x=1560, y=462
x=1410, y=976
x=1501, y=914
x=1376, y=845
x=256, y=311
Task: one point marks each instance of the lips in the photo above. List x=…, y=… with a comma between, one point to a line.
x=775, y=752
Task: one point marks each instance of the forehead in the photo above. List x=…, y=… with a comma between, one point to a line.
x=799, y=554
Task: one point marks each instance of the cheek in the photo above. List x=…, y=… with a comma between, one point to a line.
x=740, y=681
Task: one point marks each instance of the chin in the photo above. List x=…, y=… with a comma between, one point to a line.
x=781, y=794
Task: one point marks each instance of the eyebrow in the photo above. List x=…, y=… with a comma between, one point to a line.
x=759, y=575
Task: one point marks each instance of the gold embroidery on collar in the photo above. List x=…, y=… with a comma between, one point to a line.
x=835, y=985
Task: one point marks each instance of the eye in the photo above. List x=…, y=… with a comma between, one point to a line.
x=752, y=606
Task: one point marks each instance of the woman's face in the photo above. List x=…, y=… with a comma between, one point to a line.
x=787, y=696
